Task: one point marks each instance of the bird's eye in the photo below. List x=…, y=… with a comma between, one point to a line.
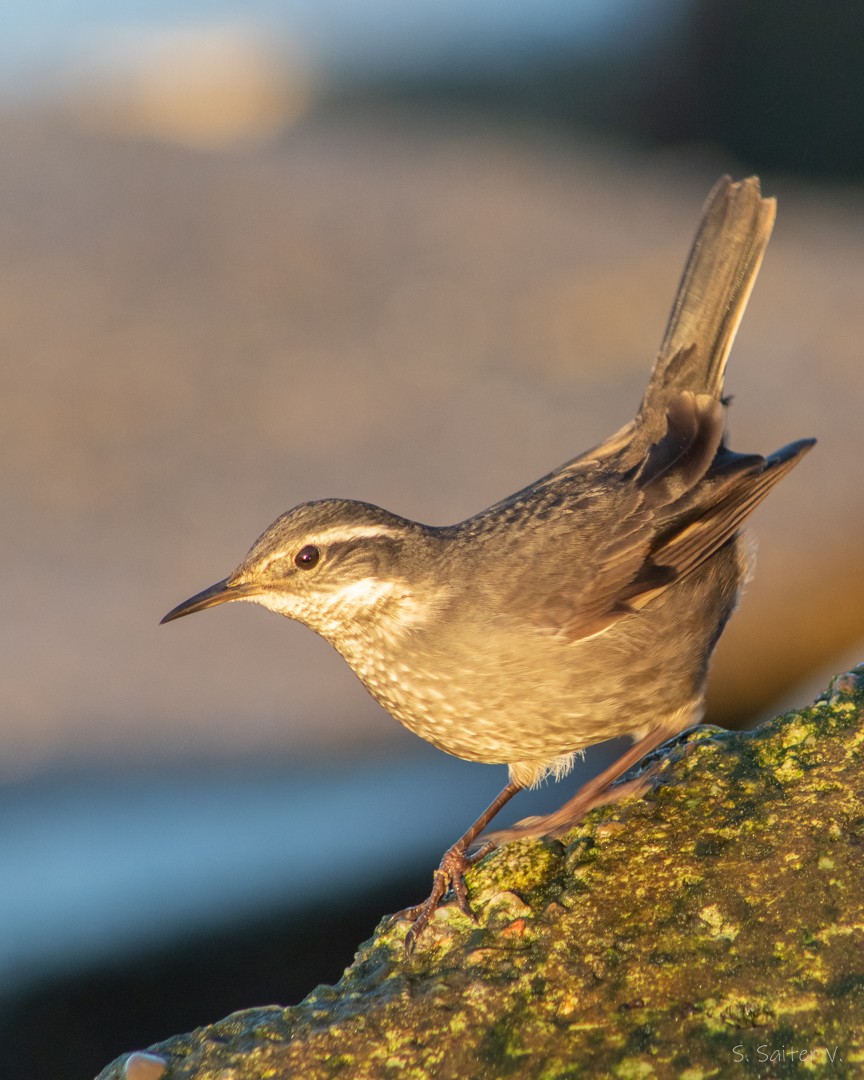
x=307, y=557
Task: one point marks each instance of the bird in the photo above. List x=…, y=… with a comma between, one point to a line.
x=582, y=608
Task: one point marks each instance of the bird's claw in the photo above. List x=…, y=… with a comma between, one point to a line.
x=450, y=874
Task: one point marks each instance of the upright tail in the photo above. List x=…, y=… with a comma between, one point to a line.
x=722, y=267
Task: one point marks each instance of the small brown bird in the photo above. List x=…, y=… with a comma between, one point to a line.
x=583, y=607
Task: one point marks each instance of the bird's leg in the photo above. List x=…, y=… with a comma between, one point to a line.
x=596, y=792
x=451, y=870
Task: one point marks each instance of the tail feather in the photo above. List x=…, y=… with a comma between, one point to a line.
x=722, y=267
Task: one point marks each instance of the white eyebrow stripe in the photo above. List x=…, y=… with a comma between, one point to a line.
x=352, y=532
x=338, y=534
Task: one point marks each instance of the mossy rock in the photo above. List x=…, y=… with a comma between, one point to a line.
x=711, y=928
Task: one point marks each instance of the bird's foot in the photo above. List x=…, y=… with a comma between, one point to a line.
x=451, y=870
x=449, y=875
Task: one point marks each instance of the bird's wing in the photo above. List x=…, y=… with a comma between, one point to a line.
x=632, y=536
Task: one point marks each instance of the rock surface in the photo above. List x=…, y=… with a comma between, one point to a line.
x=714, y=927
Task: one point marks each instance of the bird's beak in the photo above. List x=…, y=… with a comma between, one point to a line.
x=220, y=593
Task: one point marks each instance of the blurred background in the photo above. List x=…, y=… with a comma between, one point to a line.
x=417, y=254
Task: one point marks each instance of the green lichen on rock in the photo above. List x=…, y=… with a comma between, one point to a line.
x=712, y=928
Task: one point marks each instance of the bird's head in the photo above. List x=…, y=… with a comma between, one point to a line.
x=334, y=565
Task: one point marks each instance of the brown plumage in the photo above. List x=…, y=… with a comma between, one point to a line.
x=583, y=607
